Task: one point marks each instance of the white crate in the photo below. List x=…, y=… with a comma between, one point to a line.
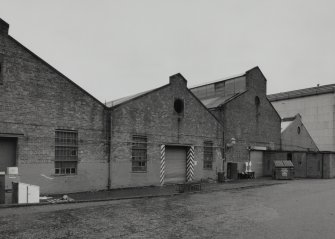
x=28, y=193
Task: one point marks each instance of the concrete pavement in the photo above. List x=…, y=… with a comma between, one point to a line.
x=148, y=192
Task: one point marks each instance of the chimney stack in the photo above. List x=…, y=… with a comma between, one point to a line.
x=178, y=78
x=4, y=26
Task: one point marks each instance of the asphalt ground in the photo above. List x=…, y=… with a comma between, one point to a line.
x=294, y=209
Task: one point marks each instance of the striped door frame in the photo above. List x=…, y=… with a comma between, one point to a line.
x=162, y=171
x=189, y=164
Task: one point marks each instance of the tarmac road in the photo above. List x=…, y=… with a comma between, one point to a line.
x=298, y=209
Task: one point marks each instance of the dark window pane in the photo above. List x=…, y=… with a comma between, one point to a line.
x=208, y=154
x=139, y=153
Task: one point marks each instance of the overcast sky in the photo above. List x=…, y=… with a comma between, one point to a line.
x=117, y=48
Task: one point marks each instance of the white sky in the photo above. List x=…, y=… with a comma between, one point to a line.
x=118, y=48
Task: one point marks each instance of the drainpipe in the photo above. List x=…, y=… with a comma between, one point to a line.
x=109, y=148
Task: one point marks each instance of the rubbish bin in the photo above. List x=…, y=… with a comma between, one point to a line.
x=283, y=169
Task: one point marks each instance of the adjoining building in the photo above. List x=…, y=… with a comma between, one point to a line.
x=297, y=146
x=248, y=117
x=294, y=135
x=316, y=106
x=162, y=136
x=50, y=128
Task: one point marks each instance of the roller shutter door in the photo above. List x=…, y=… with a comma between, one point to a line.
x=175, y=160
x=256, y=158
x=7, y=153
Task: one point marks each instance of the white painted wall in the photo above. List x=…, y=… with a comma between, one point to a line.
x=317, y=115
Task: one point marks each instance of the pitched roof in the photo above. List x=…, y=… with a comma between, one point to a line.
x=126, y=98
x=55, y=70
x=325, y=89
x=220, y=100
x=217, y=81
x=286, y=122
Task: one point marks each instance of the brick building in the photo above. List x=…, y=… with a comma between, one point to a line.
x=247, y=115
x=53, y=130
x=64, y=140
x=154, y=133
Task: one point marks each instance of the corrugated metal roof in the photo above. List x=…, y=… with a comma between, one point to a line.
x=302, y=92
x=219, y=100
x=124, y=99
x=216, y=81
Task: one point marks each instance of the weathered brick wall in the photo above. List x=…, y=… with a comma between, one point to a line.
x=35, y=100
x=256, y=80
x=248, y=126
x=153, y=115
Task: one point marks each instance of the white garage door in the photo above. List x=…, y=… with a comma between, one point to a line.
x=256, y=158
x=175, y=161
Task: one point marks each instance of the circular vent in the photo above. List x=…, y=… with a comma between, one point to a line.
x=178, y=106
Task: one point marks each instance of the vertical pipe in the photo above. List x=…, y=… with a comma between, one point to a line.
x=109, y=148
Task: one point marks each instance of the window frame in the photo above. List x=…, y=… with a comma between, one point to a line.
x=66, y=152
x=208, y=155
x=1, y=69
x=139, y=153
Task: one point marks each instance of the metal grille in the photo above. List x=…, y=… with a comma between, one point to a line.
x=66, y=152
x=208, y=154
x=139, y=153
x=65, y=167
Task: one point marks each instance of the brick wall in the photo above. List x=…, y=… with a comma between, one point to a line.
x=248, y=125
x=35, y=100
x=153, y=115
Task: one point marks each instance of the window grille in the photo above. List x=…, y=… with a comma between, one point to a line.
x=208, y=154
x=139, y=153
x=66, y=152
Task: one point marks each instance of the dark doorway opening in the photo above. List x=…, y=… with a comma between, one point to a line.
x=7, y=153
x=232, y=171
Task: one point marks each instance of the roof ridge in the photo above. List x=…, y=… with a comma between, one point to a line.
x=217, y=81
x=329, y=88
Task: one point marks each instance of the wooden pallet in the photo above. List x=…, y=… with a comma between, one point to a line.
x=189, y=187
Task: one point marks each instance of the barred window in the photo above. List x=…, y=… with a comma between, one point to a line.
x=139, y=153
x=66, y=152
x=208, y=155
